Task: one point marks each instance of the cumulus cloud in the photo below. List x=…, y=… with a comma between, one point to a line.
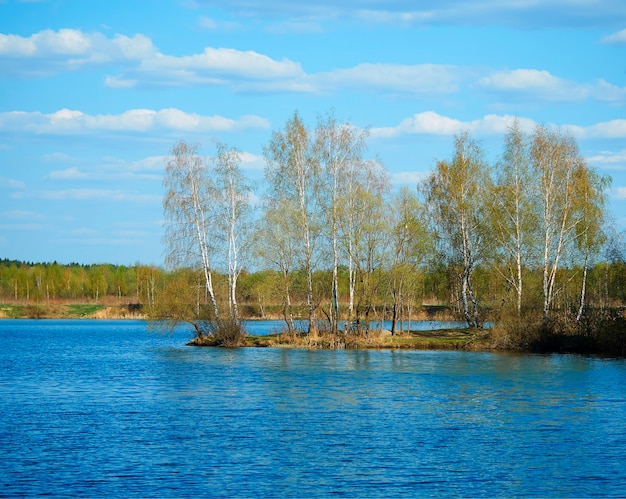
x=136, y=62
x=140, y=62
x=538, y=84
x=431, y=123
x=67, y=121
x=427, y=122
x=613, y=129
x=49, y=52
x=214, y=65
x=533, y=83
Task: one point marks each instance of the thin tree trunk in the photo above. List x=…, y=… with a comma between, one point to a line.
x=583, y=288
x=351, y=283
x=335, y=305
x=204, y=251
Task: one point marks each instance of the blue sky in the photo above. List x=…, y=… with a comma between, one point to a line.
x=93, y=95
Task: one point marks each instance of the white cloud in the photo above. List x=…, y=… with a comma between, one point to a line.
x=224, y=61
x=49, y=52
x=431, y=123
x=605, y=92
x=251, y=161
x=214, y=66
x=618, y=38
x=427, y=122
x=609, y=160
x=533, y=83
x=614, y=129
x=136, y=62
x=495, y=124
x=141, y=64
x=412, y=79
x=66, y=121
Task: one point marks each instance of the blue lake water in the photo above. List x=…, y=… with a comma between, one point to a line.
x=264, y=328
x=103, y=408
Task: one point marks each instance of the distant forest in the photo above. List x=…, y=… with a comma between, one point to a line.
x=260, y=292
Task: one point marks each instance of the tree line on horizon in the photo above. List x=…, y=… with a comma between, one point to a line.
x=520, y=238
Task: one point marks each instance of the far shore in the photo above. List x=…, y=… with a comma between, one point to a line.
x=70, y=311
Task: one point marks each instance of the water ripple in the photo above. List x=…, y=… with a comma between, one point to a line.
x=103, y=409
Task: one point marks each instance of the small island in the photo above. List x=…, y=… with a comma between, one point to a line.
x=519, y=250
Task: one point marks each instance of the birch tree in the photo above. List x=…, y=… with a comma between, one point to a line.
x=232, y=210
x=455, y=195
x=590, y=201
x=186, y=205
x=292, y=175
x=513, y=211
x=338, y=146
x=364, y=232
x=409, y=243
x=559, y=170
x=275, y=243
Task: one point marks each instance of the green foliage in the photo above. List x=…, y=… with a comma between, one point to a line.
x=46, y=282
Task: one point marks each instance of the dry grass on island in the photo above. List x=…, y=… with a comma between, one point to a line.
x=441, y=339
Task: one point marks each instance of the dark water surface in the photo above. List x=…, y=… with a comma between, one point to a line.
x=102, y=408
